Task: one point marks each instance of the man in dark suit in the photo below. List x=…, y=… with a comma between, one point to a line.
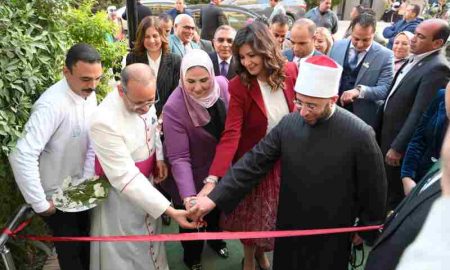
x=211, y=17
x=412, y=90
x=403, y=225
x=368, y=70
x=302, y=40
x=222, y=58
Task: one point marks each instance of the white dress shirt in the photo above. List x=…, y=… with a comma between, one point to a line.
x=276, y=105
x=154, y=65
x=55, y=145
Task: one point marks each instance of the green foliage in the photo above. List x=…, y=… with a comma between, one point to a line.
x=32, y=46
x=34, y=38
x=94, y=29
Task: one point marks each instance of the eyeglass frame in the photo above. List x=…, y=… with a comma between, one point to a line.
x=299, y=104
x=147, y=104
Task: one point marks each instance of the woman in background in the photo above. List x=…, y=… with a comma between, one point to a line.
x=152, y=48
x=323, y=40
x=401, y=49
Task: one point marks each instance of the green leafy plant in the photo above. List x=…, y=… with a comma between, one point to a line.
x=33, y=42
x=85, y=26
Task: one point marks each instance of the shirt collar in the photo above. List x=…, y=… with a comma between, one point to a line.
x=366, y=50
x=158, y=60
x=226, y=60
x=419, y=57
x=296, y=58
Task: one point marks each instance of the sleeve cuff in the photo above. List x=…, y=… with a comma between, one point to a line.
x=362, y=90
x=40, y=207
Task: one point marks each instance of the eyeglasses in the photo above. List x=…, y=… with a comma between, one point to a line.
x=222, y=40
x=309, y=106
x=140, y=105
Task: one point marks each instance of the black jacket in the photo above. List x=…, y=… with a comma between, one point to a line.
x=168, y=75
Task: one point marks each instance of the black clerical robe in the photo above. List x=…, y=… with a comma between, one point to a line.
x=331, y=173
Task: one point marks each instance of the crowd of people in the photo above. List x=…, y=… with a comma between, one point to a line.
x=256, y=129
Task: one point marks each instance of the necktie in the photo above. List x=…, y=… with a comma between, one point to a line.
x=224, y=68
x=353, y=63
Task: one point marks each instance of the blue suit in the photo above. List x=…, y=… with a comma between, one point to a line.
x=289, y=54
x=376, y=74
x=177, y=47
x=427, y=140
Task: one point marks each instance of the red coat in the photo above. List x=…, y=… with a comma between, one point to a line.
x=246, y=122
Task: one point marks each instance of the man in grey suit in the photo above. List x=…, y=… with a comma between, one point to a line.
x=368, y=70
x=211, y=17
x=302, y=40
x=180, y=42
x=412, y=90
x=222, y=58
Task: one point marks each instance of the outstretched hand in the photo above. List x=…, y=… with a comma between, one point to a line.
x=181, y=217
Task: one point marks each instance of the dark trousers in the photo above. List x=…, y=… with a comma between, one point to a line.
x=71, y=255
x=193, y=249
x=395, y=186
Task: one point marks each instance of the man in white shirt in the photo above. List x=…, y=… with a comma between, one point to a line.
x=128, y=147
x=56, y=145
x=222, y=58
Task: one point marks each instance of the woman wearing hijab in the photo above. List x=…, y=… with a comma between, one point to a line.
x=152, y=48
x=401, y=48
x=259, y=97
x=194, y=118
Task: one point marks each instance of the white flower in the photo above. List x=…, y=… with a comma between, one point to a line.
x=66, y=182
x=99, y=191
x=92, y=200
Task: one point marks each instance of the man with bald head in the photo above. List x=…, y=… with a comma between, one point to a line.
x=410, y=93
x=129, y=154
x=181, y=41
x=302, y=40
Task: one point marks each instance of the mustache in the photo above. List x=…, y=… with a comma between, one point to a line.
x=90, y=90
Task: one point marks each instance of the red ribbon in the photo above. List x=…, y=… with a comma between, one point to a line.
x=199, y=236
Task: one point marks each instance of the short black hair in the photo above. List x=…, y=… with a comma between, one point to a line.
x=281, y=19
x=416, y=9
x=165, y=17
x=365, y=20
x=81, y=52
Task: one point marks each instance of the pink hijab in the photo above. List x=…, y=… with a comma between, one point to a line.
x=197, y=107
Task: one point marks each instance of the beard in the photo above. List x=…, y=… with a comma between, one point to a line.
x=324, y=115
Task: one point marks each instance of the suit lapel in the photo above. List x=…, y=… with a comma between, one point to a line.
x=368, y=58
x=216, y=64
x=341, y=53
x=255, y=93
x=417, y=69
x=414, y=199
x=230, y=68
x=163, y=66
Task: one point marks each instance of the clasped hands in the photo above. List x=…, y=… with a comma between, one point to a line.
x=200, y=205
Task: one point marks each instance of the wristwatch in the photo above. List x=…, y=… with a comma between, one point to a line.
x=211, y=179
